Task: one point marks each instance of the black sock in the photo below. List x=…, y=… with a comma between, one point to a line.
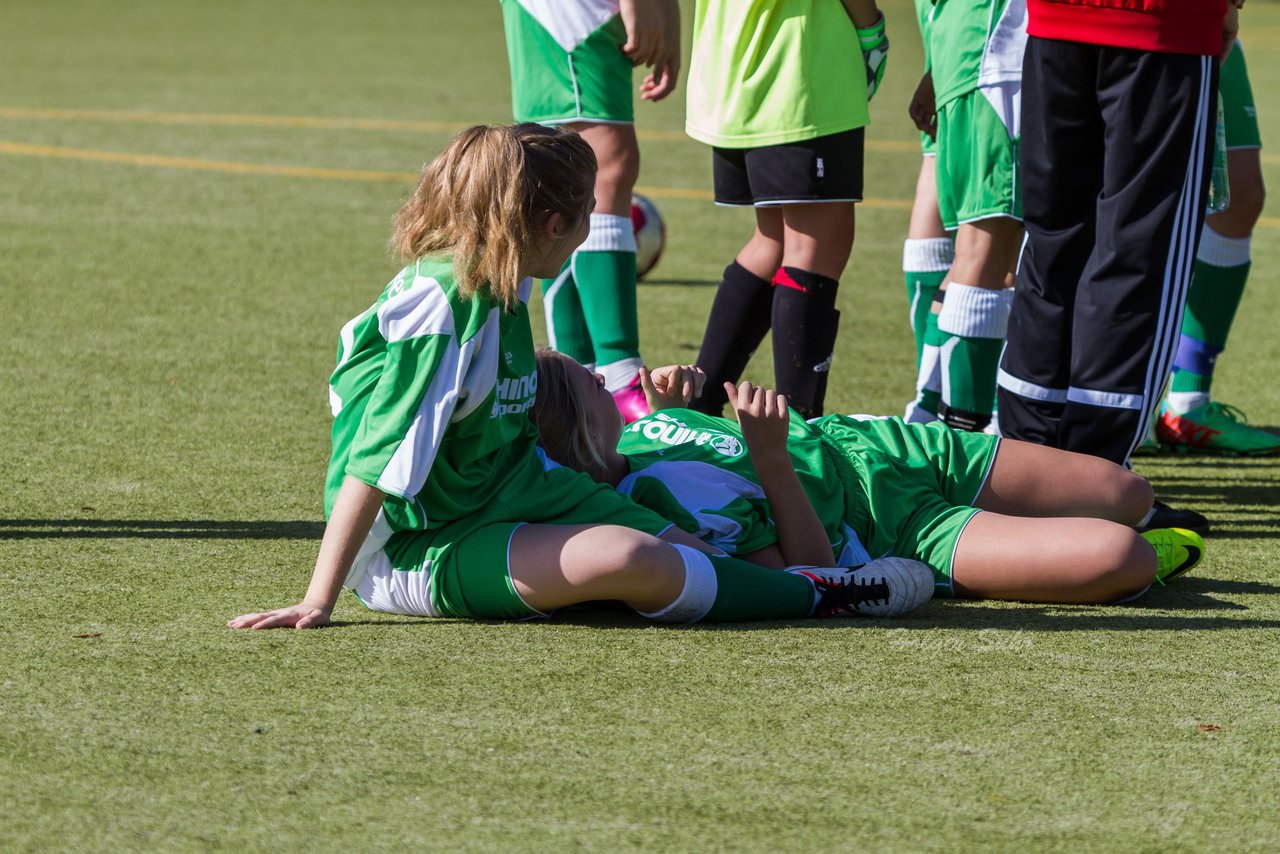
x=740, y=316
x=804, y=335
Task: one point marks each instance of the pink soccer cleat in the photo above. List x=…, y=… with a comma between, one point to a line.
x=631, y=401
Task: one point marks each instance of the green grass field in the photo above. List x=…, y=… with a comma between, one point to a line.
x=196, y=197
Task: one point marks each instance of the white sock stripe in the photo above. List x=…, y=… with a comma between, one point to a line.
x=1220, y=251
x=1025, y=388
x=927, y=254
x=1107, y=399
x=699, y=591
x=974, y=312
x=1178, y=265
x=609, y=233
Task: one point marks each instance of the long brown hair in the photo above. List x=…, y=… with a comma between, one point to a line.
x=484, y=198
x=560, y=415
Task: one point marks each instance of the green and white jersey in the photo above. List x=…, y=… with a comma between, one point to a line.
x=769, y=72
x=570, y=22
x=924, y=11
x=694, y=470
x=975, y=43
x=430, y=401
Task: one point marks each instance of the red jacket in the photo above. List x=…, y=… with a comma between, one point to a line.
x=1163, y=26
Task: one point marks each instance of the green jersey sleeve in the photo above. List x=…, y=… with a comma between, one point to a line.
x=417, y=387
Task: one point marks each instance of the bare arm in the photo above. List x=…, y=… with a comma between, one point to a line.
x=353, y=513
x=863, y=13
x=763, y=416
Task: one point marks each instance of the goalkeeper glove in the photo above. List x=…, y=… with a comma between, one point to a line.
x=875, y=51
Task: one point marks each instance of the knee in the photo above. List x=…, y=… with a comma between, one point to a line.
x=1133, y=496
x=1247, y=202
x=618, y=170
x=637, y=557
x=1124, y=564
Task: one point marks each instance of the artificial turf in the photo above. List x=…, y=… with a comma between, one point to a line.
x=170, y=325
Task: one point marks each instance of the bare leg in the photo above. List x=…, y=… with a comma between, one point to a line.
x=925, y=220
x=1050, y=560
x=1036, y=480
x=763, y=253
x=618, y=155
x=557, y=565
x=1248, y=194
x=987, y=252
x=818, y=237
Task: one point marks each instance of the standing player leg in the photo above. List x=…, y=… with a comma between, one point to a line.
x=1061, y=165
x=926, y=256
x=1190, y=419
x=974, y=319
x=980, y=197
x=604, y=267
x=817, y=240
x=741, y=311
x=565, y=73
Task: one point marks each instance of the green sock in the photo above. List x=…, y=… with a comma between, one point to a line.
x=1217, y=287
x=566, y=326
x=605, y=270
x=725, y=589
x=748, y=591
x=976, y=319
x=925, y=262
x=920, y=290
x=929, y=378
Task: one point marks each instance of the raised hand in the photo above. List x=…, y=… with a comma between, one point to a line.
x=764, y=418
x=672, y=386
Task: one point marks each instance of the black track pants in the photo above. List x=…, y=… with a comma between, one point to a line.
x=1117, y=148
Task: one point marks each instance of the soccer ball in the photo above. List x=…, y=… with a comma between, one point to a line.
x=651, y=233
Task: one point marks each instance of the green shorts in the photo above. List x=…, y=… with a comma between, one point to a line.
x=1238, y=111
x=911, y=487
x=928, y=147
x=463, y=568
x=977, y=162
x=560, y=76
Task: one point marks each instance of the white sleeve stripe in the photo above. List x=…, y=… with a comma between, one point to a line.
x=421, y=309
x=407, y=470
x=482, y=374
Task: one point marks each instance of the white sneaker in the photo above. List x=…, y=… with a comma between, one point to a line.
x=886, y=587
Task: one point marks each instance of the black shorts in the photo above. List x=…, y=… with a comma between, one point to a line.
x=825, y=169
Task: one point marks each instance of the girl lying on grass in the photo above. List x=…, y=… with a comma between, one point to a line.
x=777, y=490
x=439, y=501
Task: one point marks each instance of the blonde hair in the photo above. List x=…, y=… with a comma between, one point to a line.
x=560, y=414
x=485, y=197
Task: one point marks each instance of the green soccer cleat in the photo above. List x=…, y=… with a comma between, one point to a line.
x=1177, y=551
x=1215, y=428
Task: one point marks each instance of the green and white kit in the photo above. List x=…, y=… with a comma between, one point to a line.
x=880, y=486
x=430, y=400
x=975, y=52
x=1238, y=110
x=566, y=61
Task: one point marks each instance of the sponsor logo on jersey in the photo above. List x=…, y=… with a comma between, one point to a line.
x=668, y=430
x=514, y=395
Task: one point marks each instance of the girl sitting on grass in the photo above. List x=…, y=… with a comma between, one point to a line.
x=777, y=490
x=439, y=501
